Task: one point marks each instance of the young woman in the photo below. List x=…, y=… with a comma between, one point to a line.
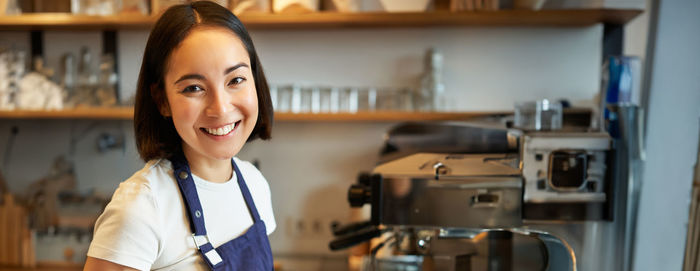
x=201, y=96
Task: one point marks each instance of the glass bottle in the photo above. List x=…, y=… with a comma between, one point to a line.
x=431, y=96
x=67, y=77
x=106, y=92
x=85, y=85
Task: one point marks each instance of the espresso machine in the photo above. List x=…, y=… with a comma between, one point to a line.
x=459, y=196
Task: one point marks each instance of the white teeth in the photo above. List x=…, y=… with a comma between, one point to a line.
x=221, y=130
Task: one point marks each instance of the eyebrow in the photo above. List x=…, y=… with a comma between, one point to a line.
x=229, y=70
x=189, y=76
x=201, y=77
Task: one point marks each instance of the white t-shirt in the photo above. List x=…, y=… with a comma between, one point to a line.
x=145, y=225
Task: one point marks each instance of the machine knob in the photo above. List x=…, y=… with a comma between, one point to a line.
x=440, y=169
x=358, y=195
x=364, y=178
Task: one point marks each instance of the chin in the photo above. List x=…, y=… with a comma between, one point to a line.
x=224, y=155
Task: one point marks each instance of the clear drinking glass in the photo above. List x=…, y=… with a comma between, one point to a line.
x=316, y=100
x=405, y=99
x=347, y=100
x=324, y=97
x=334, y=99
x=296, y=99
x=422, y=99
x=284, y=98
x=273, y=97
x=388, y=99
x=367, y=99
x=306, y=100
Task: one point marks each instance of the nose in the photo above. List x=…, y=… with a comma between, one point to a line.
x=219, y=103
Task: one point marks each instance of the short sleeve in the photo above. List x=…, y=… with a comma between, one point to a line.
x=126, y=232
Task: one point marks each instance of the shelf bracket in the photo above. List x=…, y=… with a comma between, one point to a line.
x=613, y=40
x=109, y=46
x=36, y=41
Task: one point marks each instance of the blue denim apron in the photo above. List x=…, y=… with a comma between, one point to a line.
x=250, y=251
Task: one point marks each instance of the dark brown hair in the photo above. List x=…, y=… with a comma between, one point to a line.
x=156, y=136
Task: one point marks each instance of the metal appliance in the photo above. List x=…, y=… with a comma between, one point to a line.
x=455, y=196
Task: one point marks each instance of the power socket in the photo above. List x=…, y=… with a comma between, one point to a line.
x=310, y=228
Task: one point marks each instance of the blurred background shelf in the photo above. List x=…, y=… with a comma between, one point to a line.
x=578, y=17
x=65, y=21
x=126, y=113
x=76, y=113
x=384, y=116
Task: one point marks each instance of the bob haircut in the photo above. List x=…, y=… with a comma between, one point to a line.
x=156, y=136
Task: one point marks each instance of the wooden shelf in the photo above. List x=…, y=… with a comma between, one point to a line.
x=578, y=17
x=385, y=116
x=126, y=113
x=581, y=17
x=65, y=21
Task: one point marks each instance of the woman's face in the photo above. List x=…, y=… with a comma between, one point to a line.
x=211, y=93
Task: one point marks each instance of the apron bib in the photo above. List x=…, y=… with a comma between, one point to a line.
x=250, y=251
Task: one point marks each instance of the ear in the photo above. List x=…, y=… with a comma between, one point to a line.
x=161, y=101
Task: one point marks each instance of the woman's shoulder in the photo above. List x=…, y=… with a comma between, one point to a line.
x=145, y=192
x=128, y=230
x=152, y=182
x=154, y=175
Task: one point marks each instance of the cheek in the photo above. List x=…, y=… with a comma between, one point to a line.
x=184, y=114
x=251, y=101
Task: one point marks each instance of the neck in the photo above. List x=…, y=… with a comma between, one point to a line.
x=207, y=168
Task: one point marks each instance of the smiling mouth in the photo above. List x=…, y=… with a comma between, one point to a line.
x=221, y=131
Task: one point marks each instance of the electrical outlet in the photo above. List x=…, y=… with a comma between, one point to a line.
x=302, y=227
x=289, y=226
x=308, y=227
x=297, y=227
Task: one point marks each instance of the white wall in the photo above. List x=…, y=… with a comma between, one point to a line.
x=310, y=165
x=485, y=68
x=672, y=138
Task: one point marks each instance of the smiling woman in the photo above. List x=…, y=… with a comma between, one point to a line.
x=201, y=96
x=208, y=91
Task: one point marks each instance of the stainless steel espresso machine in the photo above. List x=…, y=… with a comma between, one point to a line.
x=458, y=196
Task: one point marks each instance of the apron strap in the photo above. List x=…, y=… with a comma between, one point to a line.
x=246, y=193
x=183, y=175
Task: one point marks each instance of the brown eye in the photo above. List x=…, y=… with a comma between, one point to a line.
x=191, y=89
x=236, y=81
